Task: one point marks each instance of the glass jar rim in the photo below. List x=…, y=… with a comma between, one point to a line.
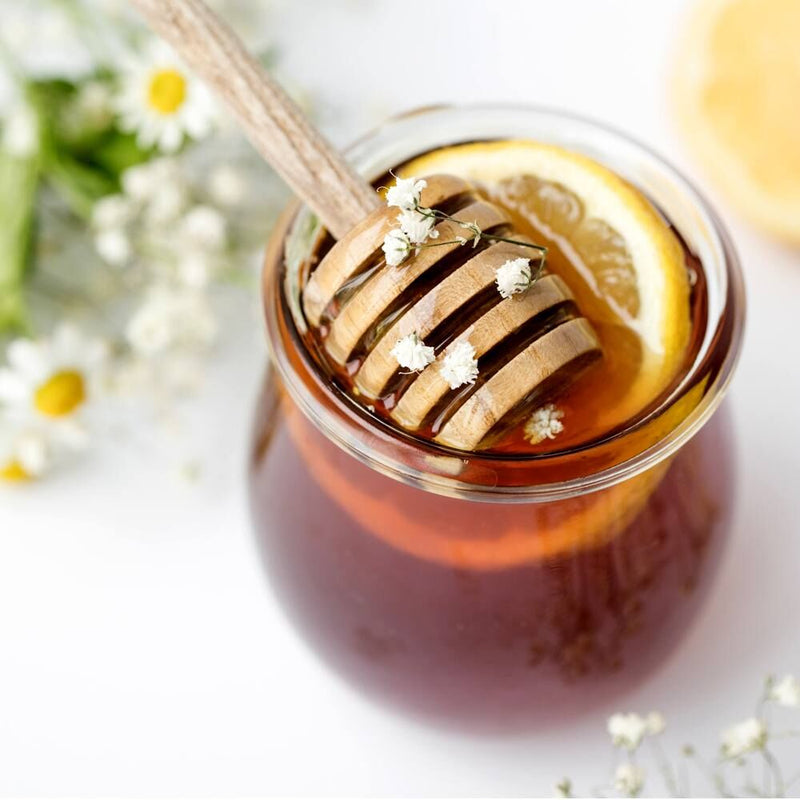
x=391, y=144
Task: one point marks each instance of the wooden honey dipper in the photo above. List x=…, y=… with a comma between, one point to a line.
x=367, y=305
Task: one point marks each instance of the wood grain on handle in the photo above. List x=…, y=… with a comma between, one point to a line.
x=316, y=172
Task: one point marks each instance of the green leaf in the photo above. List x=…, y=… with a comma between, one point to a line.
x=19, y=178
x=80, y=185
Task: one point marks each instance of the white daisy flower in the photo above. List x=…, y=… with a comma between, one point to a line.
x=396, y=247
x=460, y=366
x=627, y=730
x=51, y=379
x=412, y=353
x=418, y=227
x=745, y=737
x=629, y=779
x=786, y=692
x=513, y=277
x=162, y=101
x=405, y=194
x=545, y=423
x=24, y=453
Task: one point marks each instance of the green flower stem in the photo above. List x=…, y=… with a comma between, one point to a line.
x=775, y=771
x=19, y=179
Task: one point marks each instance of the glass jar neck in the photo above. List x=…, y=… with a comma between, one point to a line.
x=646, y=443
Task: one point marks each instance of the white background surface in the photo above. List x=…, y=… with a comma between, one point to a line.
x=141, y=651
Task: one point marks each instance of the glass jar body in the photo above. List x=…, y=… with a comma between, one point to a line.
x=476, y=590
x=397, y=589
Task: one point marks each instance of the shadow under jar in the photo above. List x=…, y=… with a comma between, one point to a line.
x=493, y=591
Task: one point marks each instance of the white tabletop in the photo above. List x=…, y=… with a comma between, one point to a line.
x=141, y=651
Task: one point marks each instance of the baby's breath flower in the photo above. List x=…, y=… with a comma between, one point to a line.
x=545, y=423
x=744, y=737
x=228, y=186
x=396, y=247
x=204, y=227
x=656, y=724
x=114, y=246
x=412, y=353
x=143, y=181
x=513, y=277
x=171, y=317
x=112, y=211
x=626, y=730
x=564, y=788
x=460, y=366
x=417, y=226
x=629, y=779
x=166, y=205
x=405, y=194
x=786, y=692
x=195, y=269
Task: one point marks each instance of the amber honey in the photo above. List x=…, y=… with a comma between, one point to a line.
x=498, y=588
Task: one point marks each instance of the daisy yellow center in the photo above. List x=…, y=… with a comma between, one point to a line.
x=14, y=472
x=61, y=394
x=167, y=91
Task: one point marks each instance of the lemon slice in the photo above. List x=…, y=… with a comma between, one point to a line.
x=736, y=88
x=631, y=275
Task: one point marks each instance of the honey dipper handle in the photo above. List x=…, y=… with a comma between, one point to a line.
x=277, y=128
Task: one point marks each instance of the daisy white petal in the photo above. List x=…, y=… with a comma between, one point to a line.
x=161, y=101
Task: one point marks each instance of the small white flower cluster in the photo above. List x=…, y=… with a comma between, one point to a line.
x=627, y=731
x=750, y=737
x=416, y=222
x=44, y=391
x=785, y=692
x=459, y=365
x=744, y=737
x=178, y=242
x=412, y=353
x=513, y=277
x=629, y=779
x=544, y=423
